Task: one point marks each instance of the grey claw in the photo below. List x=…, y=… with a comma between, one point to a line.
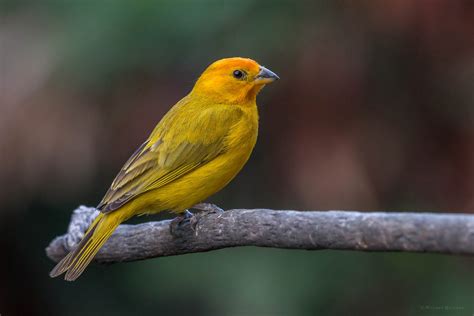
x=178, y=221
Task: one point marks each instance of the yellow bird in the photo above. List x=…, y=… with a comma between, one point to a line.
x=197, y=148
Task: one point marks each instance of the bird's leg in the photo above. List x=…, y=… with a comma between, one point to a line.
x=187, y=214
x=178, y=221
x=206, y=208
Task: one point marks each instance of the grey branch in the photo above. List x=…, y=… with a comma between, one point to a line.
x=310, y=230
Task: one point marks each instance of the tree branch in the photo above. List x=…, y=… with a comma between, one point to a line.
x=413, y=232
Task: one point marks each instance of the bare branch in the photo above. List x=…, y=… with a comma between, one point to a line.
x=311, y=230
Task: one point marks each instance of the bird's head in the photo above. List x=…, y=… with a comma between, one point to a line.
x=233, y=80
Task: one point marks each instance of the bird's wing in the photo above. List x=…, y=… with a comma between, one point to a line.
x=182, y=142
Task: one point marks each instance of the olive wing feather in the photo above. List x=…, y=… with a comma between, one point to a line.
x=178, y=145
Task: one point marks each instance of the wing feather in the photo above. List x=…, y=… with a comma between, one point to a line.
x=177, y=146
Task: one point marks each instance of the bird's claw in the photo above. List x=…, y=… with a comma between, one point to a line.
x=206, y=208
x=179, y=221
x=193, y=219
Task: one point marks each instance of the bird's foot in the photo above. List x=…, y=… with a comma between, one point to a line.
x=187, y=217
x=179, y=221
x=205, y=208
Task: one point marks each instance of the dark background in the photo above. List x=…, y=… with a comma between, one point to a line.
x=374, y=111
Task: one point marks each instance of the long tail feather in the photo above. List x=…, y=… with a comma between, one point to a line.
x=78, y=259
x=64, y=264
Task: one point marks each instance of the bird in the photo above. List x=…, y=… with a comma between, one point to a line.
x=195, y=150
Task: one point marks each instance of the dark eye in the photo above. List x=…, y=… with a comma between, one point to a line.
x=238, y=74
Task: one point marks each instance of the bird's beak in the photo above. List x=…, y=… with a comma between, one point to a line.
x=265, y=76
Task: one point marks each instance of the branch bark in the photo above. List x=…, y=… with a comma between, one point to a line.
x=311, y=230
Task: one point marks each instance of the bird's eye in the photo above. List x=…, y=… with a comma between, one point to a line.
x=238, y=74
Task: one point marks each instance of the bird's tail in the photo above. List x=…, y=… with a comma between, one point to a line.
x=97, y=234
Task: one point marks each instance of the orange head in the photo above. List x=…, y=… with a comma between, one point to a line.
x=233, y=80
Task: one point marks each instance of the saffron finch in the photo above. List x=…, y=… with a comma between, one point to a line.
x=196, y=149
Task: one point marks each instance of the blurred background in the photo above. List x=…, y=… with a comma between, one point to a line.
x=374, y=111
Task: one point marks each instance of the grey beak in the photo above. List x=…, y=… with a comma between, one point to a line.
x=266, y=75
